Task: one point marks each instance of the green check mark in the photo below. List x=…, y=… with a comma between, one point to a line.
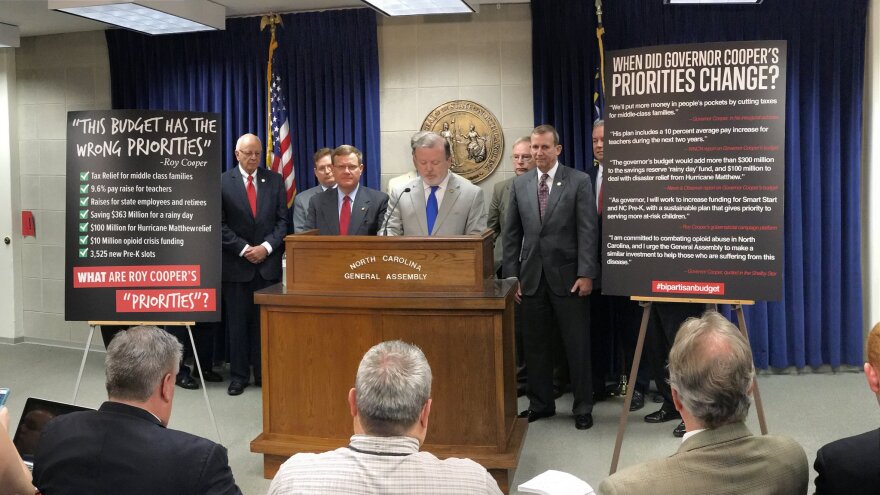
x=83, y=239
x=84, y=201
x=84, y=226
x=83, y=189
x=84, y=253
x=83, y=214
x=83, y=176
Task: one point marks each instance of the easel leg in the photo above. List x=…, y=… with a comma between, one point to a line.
x=82, y=365
x=202, y=378
x=759, y=406
x=634, y=371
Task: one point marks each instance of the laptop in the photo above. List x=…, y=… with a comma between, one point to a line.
x=36, y=414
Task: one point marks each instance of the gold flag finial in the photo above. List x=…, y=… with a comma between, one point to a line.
x=271, y=20
x=599, y=11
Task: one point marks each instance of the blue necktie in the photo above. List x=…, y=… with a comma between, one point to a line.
x=431, y=209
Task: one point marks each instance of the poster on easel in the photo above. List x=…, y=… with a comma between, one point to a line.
x=143, y=216
x=695, y=171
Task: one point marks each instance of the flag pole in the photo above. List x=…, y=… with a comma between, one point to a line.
x=270, y=20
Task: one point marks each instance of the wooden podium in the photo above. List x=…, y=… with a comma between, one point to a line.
x=346, y=294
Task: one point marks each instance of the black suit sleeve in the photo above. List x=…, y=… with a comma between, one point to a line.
x=512, y=236
x=311, y=220
x=276, y=237
x=216, y=476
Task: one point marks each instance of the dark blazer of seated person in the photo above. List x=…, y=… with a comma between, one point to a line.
x=124, y=447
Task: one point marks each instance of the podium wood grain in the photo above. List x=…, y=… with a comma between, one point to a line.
x=314, y=335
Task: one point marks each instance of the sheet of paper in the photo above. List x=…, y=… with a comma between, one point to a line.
x=553, y=482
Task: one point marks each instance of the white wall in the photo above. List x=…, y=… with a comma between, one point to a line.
x=871, y=171
x=55, y=74
x=10, y=219
x=485, y=57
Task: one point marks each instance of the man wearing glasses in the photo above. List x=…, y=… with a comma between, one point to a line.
x=324, y=174
x=350, y=209
x=522, y=163
x=254, y=223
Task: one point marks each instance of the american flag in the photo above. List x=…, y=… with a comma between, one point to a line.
x=281, y=157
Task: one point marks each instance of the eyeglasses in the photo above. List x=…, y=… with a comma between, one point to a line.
x=249, y=154
x=350, y=168
x=324, y=168
x=524, y=158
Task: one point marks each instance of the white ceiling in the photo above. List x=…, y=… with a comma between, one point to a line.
x=34, y=18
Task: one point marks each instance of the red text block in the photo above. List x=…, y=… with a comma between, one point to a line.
x=85, y=277
x=695, y=288
x=166, y=300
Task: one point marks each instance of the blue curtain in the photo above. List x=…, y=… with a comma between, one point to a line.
x=564, y=60
x=819, y=320
x=329, y=62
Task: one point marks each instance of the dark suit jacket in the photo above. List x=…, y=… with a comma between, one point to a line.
x=367, y=212
x=562, y=246
x=124, y=449
x=849, y=466
x=497, y=212
x=239, y=227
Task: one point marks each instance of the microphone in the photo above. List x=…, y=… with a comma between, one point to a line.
x=388, y=218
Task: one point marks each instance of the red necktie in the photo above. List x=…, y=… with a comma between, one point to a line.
x=252, y=195
x=344, y=215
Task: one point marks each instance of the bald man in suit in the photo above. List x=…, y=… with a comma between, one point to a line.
x=253, y=224
x=438, y=202
x=719, y=455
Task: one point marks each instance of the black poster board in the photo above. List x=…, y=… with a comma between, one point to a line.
x=143, y=216
x=694, y=171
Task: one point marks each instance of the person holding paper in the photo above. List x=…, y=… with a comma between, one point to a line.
x=253, y=223
x=389, y=404
x=712, y=377
x=350, y=209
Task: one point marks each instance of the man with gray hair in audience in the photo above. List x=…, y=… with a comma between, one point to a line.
x=712, y=375
x=390, y=404
x=125, y=447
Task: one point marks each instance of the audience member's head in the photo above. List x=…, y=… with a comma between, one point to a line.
x=711, y=372
x=324, y=167
x=392, y=392
x=141, y=366
x=872, y=367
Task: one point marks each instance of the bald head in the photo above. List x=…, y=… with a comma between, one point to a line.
x=711, y=369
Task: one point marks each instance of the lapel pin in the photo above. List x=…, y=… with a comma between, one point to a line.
x=559, y=183
x=262, y=180
x=363, y=209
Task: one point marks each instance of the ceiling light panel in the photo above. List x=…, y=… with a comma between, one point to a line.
x=420, y=7
x=149, y=16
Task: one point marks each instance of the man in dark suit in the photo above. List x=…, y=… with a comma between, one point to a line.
x=521, y=156
x=124, y=447
x=324, y=174
x=851, y=466
x=550, y=245
x=350, y=209
x=254, y=223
